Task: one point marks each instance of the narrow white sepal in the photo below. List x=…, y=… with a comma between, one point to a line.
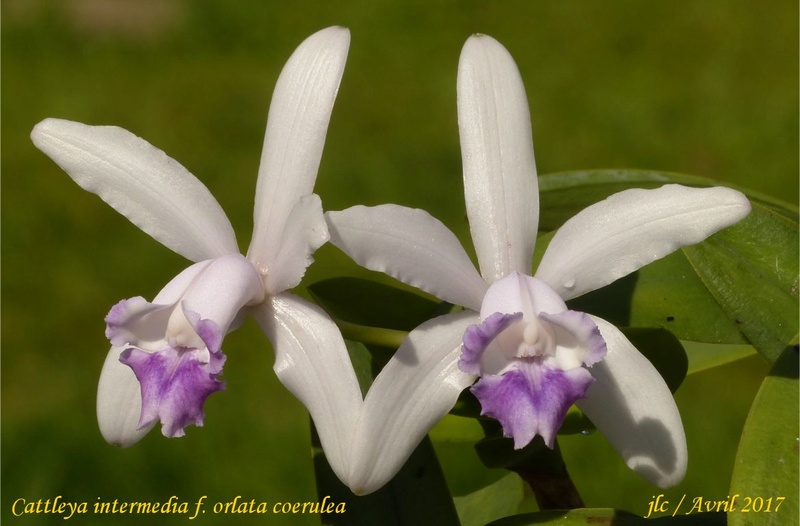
x=142, y=183
x=629, y=229
x=298, y=121
x=410, y=245
x=632, y=406
x=119, y=402
x=500, y=184
x=312, y=362
x=415, y=389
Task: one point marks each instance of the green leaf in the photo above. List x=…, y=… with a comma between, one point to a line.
x=740, y=286
x=765, y=475
x=497, y=500
x=606, y=517
x=751, y=270
x=704, y=356
x=372, y=304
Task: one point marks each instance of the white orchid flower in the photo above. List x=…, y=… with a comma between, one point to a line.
x=533, y=356
x=166, y=356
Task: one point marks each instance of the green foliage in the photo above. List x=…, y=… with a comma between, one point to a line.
x=765, y=475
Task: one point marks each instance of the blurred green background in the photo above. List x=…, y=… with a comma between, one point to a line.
x=707, y=87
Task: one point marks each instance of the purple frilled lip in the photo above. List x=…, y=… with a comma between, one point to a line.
x=531, y=363
x=174, y=348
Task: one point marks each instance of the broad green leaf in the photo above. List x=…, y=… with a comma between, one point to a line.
x=607, y=517
x=495, y=501
x=372, y=304
x=765, y=475
x=454, y=439
x=751, y=269
x=703, y=356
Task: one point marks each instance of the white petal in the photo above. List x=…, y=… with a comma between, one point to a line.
x=418, y=386
x=519, y=293
x=497, y=150
x=119, y=402
x=311, y=360
x=298, y=121
x=153, y=191
x=410, y=245
x=621, y=234
x=304, y=233
x=633, y=407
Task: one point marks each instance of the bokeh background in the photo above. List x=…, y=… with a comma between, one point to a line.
x=707, y=87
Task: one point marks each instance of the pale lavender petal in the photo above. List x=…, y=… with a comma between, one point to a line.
x=630, y=229
x=531, y=398
x=418, y=386
x=216, y=290
x=153, y=191
x=305, y=232
x=410, y=245
x=478, y=337
x=578, y=340
x=137, y=320
x=520, y=293
x=633, y=407
x=119, y=402
x=174, y=385
x=311, y=360
x=500, y=182
x=298, y=122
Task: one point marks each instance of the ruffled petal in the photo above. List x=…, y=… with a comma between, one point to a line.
x=621, y=234
x=500, y=182
x=410, y=245
x=531, y=399
x=175, y=383
x=418, y=386
x=578, y=339
x=633, y=407
x=304, y=233
x=119, y=403
x=311, y=360
x=153, y=191
x=477, y=339
x=298, y=121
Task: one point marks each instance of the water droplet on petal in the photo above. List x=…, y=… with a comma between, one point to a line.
x=569, y=283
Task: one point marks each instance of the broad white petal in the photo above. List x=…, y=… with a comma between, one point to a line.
x=410, y=245
x=298, y=121
x=418, y=386
x=633, y=407
x=628, y=230
x=500, y=182
x=142, y=183
x=304, y=233
x=119, y=402
x=311, y=360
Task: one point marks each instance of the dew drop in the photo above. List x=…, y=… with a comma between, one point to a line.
x=569, y=283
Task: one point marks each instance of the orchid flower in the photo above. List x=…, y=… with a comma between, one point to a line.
x=532, y=356
x=166, y=355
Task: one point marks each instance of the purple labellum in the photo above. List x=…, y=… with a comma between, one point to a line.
x=175, y=383
x=531, y=398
